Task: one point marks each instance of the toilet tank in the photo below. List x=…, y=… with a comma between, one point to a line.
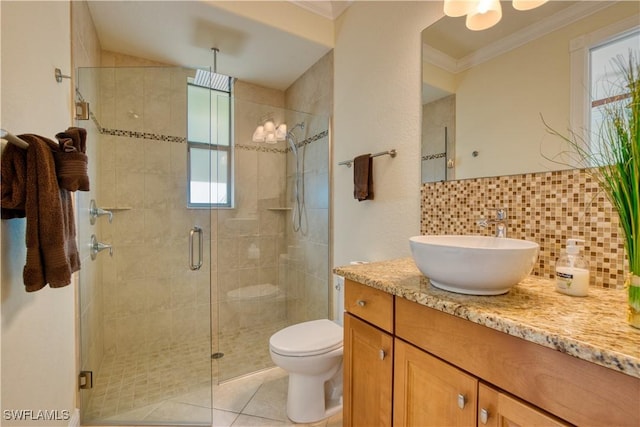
x=338, y=296
x=338, y=300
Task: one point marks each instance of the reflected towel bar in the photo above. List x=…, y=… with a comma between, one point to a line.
x=391, y=153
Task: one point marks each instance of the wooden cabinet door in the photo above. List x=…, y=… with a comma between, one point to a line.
x=430, y=392
x=497, y=409
x=368, y=374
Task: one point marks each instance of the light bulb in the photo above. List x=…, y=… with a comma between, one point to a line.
x=269, y=126
x=258, y=134
x=455, y=8
x=527, y=4
x=281, y=132
x=270, y=138
x=485, y=15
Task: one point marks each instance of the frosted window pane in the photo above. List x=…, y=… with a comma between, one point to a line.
x=198, y=110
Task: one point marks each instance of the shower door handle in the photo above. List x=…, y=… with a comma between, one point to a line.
x=195, y=230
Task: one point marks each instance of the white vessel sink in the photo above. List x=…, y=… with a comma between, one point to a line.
x=475, y=265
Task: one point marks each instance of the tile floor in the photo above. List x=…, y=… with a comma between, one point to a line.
x=127, y=382
x=255, y=400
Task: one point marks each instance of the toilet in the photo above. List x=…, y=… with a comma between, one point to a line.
x=311, y=352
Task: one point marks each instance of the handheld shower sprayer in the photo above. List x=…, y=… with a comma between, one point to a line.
x=291, y=138
x=298, y=182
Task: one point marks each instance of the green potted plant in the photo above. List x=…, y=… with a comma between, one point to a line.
x=615, y=163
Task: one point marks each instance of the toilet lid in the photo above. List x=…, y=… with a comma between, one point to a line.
x=307, y=339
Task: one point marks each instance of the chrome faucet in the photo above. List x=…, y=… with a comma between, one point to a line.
x=500, y=221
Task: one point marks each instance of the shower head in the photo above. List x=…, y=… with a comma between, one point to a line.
x=297, y=125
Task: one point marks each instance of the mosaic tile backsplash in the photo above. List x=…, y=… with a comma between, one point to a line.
x=547, y=208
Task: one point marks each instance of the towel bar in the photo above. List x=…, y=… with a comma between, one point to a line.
x=13, y=139
x=391, y=153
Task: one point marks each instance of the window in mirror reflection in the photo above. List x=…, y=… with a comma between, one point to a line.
x=607, y=82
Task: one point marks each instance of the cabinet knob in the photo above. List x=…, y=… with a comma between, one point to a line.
x=361, y=302
x=382, y=354
x=484, y=416
x=461, y=401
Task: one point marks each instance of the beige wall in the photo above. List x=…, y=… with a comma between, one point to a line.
x=38, y=345
x=377, y=98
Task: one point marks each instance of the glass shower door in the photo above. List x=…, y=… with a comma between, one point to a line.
x=268, y=275
x=145, y=326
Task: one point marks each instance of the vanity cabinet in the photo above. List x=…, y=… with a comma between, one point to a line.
x=368, y=356
x=533, y=382
x=368, y=372
x=431, y=392
x=439, y=369
x=497, y=409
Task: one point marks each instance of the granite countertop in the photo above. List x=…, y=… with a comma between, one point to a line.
x=593, y=328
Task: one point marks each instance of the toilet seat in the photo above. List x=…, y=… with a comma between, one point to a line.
x=307, y=339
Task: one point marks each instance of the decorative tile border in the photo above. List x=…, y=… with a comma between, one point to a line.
x=259, y=147
x=313, y=138
x=182, y=140
x=265, y=149
x=547, y=208
x=433, y=156
x=143, y=135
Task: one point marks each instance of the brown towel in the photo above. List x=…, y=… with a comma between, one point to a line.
x=52, y=254
x=363, y=177
x=71, y=160
x=13, y=188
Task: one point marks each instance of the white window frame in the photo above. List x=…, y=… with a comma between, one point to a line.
x=579, y=49
x=229, y=149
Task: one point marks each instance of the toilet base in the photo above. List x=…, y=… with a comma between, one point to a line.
x=307, y=401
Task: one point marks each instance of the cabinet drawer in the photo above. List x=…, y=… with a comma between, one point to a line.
x=369, y=304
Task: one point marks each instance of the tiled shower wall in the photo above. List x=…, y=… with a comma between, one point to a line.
x=547, y=208
x=152, y=300
x=307, y=275
x=251, y=226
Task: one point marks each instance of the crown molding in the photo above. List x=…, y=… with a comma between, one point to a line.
x=439, y=59
x=328, y=9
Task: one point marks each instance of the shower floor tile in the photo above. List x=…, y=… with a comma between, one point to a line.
x=246, y=350
x=258, y=400
x=135, y=382
x=127, y=382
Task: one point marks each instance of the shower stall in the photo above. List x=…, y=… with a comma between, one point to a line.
x=191, y=294
x=438, y=139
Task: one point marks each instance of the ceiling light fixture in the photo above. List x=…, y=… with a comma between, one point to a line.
x=483, y=14
x=269, y=133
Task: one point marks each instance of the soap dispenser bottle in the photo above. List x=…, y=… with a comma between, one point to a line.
x=572, y=271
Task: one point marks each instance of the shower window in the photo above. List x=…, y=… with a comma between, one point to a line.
x=209, y=139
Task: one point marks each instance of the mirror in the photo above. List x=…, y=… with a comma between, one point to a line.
x=484, y=92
